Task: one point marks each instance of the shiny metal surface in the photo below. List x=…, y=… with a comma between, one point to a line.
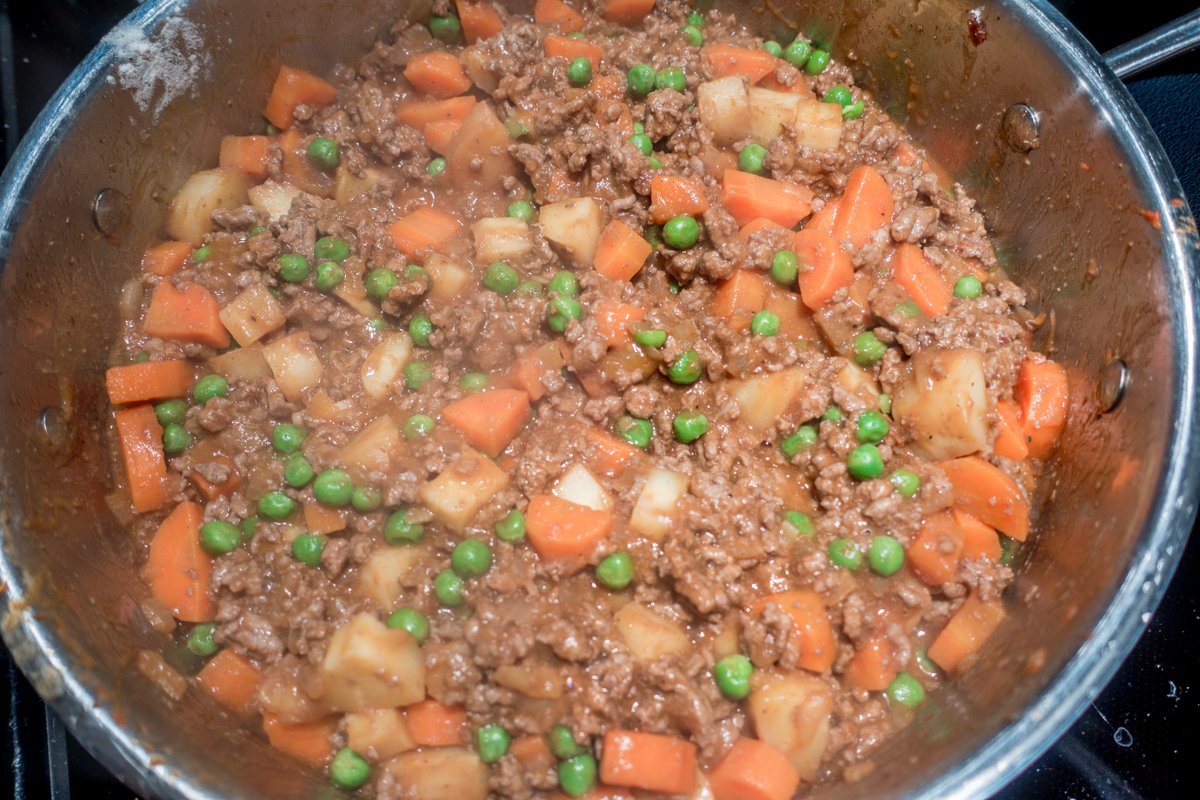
x=1072, y=217
x=1159, y=45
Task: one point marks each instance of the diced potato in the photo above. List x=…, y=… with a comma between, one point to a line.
x=347, y=185
x=244, y=364
x=351, y=290
x=501, y=239
x=855, y=389
x=295, y=363
x=649, y=636
x=439, y=773
x=790, y=712
x=578, y=486
x=373, y=449
x=383, y=366
x=387, y=572
x=281, y=691
x=818, y=125
x=944, y=403
x=478, y=154
x=539, y=681
x=455, y=496
x=252, y=315
x=770, y=111
x=447, y=278
x=764, y=398
x=727, y=641
x=725, y=109
x=369, y=665
x=476, y=62
x=322, y=406
x=190, y=215
x=378, y=733
x=654, y=510
x=575, y=226
x=273, y=198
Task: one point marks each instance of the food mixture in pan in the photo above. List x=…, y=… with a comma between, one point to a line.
x=606, y=404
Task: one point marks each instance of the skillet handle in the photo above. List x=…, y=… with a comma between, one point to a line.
x=1159, y=45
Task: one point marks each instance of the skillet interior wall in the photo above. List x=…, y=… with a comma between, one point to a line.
x=1051, y=217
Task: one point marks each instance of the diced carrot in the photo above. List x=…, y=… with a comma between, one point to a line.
x=873, y=666
x=307, y=741
x=479, y=20
x=609, y=455
x=231, y=680
x=934, y=553
x=178, y=570
x=740, y=296
x=1042, y=393
x=489, y=419
x=531, y=750
x=188, y=313
x=747, y=196
x=423, y=229
x=824, y=267
x=294, y=88
x=562, y=530
x=986, y=493
x=621, y=252
x=166, y=258
x=140, y=437
x=906, y=156
x=758, y=225
x=626, y=12
x=438, y=74
x=438, y=135
x=211, y=491
x=533, y=364
x=419, y=113
x=432, y=724
x=1010, y=432
x=753, y=64
x=594, y=383
x=247, y=153
x=152, y=380
x=969, y=627
x=915, y=275
x=979, y=540
x=865, y=206
x=597, y=793
x=571, y=49
x=649, y=761
x=673, y=195
x=558, y=14
x=320, y=518
x=754, y=770
x=795, y=319
x=608, y=87
x=810, y=621
x=823, y=220
x=613, y=319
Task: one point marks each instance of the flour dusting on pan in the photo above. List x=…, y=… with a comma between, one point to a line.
x=160, y=68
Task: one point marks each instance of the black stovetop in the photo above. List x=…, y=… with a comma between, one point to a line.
x=1133, y=742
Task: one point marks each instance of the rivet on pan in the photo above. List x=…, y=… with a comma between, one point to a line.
x=1020, y=128
x=54, y=429
x=109, y=210
x=1114, y=377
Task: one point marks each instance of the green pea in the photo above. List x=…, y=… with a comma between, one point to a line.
x=868, y=349
x=329, y=276
x=854, y=110
x=686, y=369
x=579, y=71
x=202, y=254
x=208, y=387
x=171, y=412
x=176, y=439
x=331, y=248
x=445, y=29
x=333, y=487
x=297, y=471
x=732, y=674
x=924, y=663
x=564, y=283
x=560, y=311
x=692, y=35
x=522, y=210
x=449, y=588
x=416, y=375
x=774, y=48
x=276, y=505
x=906, y=482
x=885, y=555
x=436, y=166
x=640, y=79
x=577, y=776
x=378, y=324
x=865, y=462
x=845, y=553
x=615, y=571
x=642, y=142
x=287, y=438
x=501, y=278
x=817, y=62
x=797, y=53
x=399, y=529
x=379, y=281
x=255, y=231
x=492, y=742
x=512, y=528
x=307, y=548
x=515, y=127
x=695, y=18
x=785, y=266
x=323, y=152
x=418, y=425
x=800, y=521
x=872, y=427
x=804, y=437
x=411, y=621
x=671, y=78
x=968, y=287
x=348, y=770
x=650, y=338
x=681, y=232
x=838, y=94
x=366, y=499
x=249, y=524
x=420, y=328
x=200, y=639
x=141, y=358
x=765, y=323
x=906, y=690
x=530, y=288
x=833, y=414
x=562, y=743
x=885, y=402
x=471, y=558
x=906, y=308
x=474, y=382
x=639, y=127
x=753, y=158
x=654, y=163
x=415, y=272
x=690, y=426
x=638, y=432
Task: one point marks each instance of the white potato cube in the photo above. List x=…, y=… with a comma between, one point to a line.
x=578, y=486
x=190, y=215
x=252, y=315
x=373, y=449
x=478, y=154
x=770, y=110
x=295, y=364
x=790, y=712
x=944, y=403
x=383, y=366
x=654, y=510
x=386, y=573
x=855, y=389
x=447, y=278
x=455, y=496
x=501, y=239
x=648, y=635
x=369, y=665
x=439, y=773
x=378, y=733
x=764, y=398
x=725, y=109
x=244, y=364
x=818, y=125
x=347, y=185
x=539, y=681
x=273, y=198
x=575, y=226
